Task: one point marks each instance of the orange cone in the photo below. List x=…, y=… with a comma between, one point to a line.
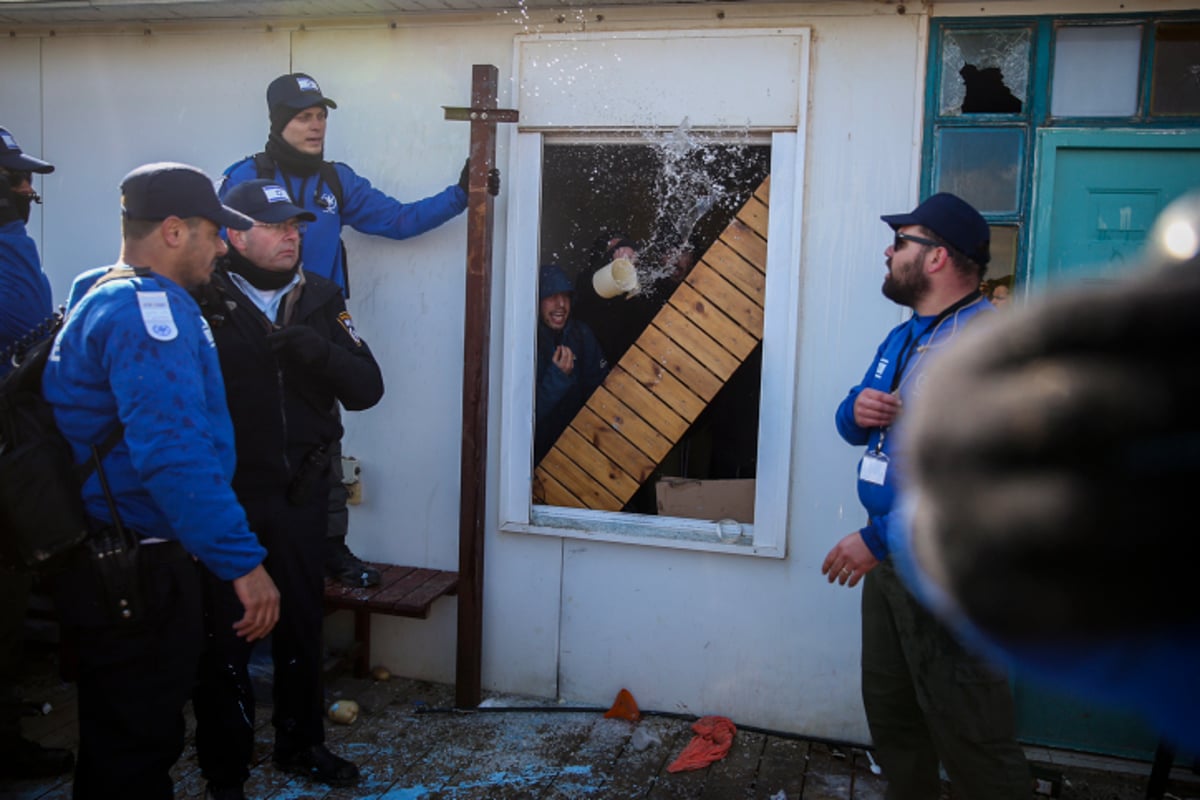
x=624, y=707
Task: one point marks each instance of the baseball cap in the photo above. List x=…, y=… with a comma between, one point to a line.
x=953, y=219
x=552, y=280
x=297, y=91
x=12, y=157
x=265, y=201
x=167, y=189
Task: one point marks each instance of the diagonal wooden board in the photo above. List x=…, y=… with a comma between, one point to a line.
x=695, y=343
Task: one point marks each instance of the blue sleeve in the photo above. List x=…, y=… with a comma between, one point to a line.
x=875, y=534
x=173, y=434
x=25, y=298
x=368, y=210
x=847, y=428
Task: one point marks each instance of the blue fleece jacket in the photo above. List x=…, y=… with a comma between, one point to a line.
x=364, y=208
x=25, y=298
x=909, y=347
x=137, y=350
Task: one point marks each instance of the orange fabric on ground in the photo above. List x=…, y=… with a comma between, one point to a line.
x=624, y=707
x=714, y=737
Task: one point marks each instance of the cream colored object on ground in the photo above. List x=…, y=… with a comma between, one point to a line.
x=619, y=277
x=380, y=673
x=343, y=712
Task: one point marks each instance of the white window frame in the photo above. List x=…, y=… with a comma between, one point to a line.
x=767, y=536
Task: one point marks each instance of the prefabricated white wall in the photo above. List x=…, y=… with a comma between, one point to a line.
x=765, y=641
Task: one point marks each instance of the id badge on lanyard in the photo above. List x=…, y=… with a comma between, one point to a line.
x=874, y=466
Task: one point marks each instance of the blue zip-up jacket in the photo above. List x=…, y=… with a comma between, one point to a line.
x=139, y=351
x=25, y=298
x=909, y=346
x=364, y=208
x=560, y=396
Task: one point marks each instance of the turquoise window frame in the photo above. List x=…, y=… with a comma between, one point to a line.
x=1035, y=116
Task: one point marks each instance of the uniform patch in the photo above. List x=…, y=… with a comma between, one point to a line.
x=207, y=332
x=328, y=203
x=276, y=194
x=156, y=315
x=347, y=324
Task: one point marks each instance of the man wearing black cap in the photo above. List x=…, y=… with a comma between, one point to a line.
x=295, y=159
x=25, y=301
x=927, y=700
x=289, y=352
x=135, y=352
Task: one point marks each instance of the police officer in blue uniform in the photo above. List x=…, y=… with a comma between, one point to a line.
x=135, y=352
x=25, y=301
x=927, y=699
x=294, y=158
x=289, y=353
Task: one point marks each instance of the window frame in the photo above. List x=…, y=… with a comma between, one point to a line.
x=767, y=536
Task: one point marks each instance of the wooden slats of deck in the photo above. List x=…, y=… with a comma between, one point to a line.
x=695, y=343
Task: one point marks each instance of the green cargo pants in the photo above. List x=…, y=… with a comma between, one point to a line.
x=928, y=700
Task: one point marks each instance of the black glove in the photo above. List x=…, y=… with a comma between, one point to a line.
x=301, y=344
x=493, y=179
x=1054, y=451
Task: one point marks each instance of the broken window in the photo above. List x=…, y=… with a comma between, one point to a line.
x=1176, y=77
x=1096, y=71
x=984, y=71
x=685, y=376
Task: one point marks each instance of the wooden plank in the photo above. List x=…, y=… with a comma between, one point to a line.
x=730, y=776
x=609, y=441
x=754, y=214
x=709, y=317
x=781, y=769
x=659, y=380
x=828, y=774
x=695, y=340
x=650, y=408
x=417, y=604
x=553, y=492
x=763, y=192
x=604, y=469
x=590, y=491
x=608, y=407
x=748, y=278
x=725, y=296
x=393, y=595
x=748, y=244
x=674, y=358
x=350, y=596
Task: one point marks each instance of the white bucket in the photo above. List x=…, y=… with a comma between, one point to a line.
x=619, y=277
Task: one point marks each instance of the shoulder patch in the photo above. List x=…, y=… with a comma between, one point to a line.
x=156, y=315
x=347, y=324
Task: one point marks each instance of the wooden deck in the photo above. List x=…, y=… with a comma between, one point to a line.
x=410, y=745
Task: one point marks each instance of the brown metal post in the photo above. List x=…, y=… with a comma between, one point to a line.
x=483, y=116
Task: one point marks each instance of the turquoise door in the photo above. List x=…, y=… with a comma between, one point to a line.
x=1097, y=196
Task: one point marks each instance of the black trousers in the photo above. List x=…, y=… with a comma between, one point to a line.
x=134, y=678
x=224, y=700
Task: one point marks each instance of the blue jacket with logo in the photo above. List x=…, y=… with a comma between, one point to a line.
x=364, y=208
x=25, y=298
x=909, y=346
x=137, y=350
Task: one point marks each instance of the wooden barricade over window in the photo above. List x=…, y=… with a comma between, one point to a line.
x=695, y=343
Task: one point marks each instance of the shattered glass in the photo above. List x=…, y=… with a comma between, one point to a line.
x=984, y=71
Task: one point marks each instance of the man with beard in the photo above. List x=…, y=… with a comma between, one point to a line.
x=289, y=353
x=294, y=158
x=927, y=700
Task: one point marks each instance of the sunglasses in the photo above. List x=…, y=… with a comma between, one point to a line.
x=284, y=227
x=901, y=238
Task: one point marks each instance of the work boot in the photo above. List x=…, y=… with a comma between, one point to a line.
x=347, y=568
x=23, y=760
x=318, y=764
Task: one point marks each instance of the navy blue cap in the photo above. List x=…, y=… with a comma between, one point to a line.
x=552, y=280
x=166, y=189
x=953, y=219
x=297, y=91
x=12, y=157
x=265, y=201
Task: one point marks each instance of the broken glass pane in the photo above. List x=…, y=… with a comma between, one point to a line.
x=982, y=166
x=984, y=72
x=1176, y=79
x=1096, y=71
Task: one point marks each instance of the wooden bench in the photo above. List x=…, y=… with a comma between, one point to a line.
x=402, y=592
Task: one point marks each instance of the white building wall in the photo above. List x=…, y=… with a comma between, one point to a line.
x=765, y=641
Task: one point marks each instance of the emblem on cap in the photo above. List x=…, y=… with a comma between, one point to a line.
x=307, y=84
x=276, y=194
